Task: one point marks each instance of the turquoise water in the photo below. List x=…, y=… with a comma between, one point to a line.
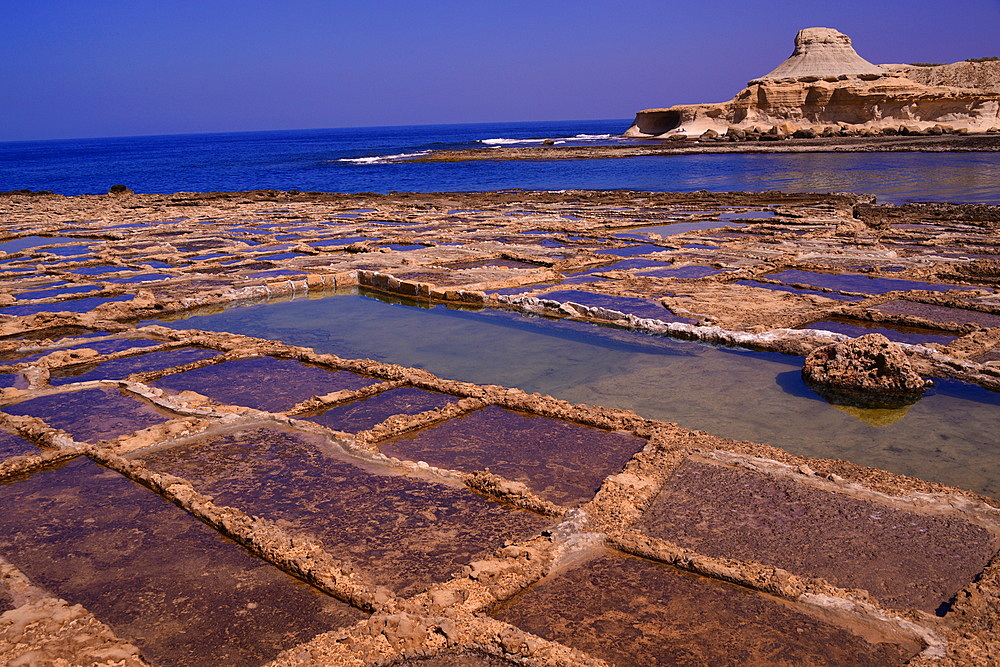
x=949, y=436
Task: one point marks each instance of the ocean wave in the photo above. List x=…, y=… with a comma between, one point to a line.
x=502, y=141
x=381, y=159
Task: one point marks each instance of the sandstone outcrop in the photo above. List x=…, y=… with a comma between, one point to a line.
x=870, y=372
x=826, y=88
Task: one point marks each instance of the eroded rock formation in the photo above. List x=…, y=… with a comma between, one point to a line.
x=870, y=371
x=826, y=87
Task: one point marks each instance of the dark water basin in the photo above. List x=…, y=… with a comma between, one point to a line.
x=642, y=233
x=46, y=293
x=630, y=611
x=405, y=532
x=277, y=272
x=143, y=278
x=101, y=346
x=68, y=305
x=159, y=577
x=366, y=413
x=796, y=290
x=342, y=241
x=15, y=445
x=67, y=251
x=264, y=383
x=120, y=368
x=25, y=242
x=560, y=461
x=894, y=332
x=854, y=282
x=631, y=251
x=403, y=247
x=92, y=414
x=940, y=314
x=747, y=215
x=99, y=270
x=692, y=272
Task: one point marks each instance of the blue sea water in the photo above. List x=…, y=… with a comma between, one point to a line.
x=367, y=160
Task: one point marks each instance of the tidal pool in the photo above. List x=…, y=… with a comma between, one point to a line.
x=949, y=436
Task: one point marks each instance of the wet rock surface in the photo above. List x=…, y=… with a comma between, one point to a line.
x=406, y=532
x=870, y=371
x=903, y=558
x=629, y=611
x=96, y=539
x=560, y=461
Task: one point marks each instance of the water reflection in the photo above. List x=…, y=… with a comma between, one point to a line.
x=949, y=436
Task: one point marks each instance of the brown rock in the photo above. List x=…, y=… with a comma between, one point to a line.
x=870, y=371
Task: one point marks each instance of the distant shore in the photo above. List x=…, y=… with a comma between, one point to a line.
x=930, y=144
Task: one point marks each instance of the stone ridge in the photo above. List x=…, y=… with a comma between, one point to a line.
x=821, y=52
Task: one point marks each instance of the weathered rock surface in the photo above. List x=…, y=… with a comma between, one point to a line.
x=826, y=85
x=869, y=371
x=822, y=52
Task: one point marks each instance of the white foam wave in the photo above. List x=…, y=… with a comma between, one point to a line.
x=501, y=141
x=382, y=159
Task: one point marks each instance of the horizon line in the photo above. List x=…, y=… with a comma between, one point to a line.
x=305, y=129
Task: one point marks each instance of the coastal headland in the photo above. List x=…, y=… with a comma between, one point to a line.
x=344, y=510
x=823, y=98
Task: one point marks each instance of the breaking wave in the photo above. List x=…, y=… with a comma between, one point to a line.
x=381, y=159
x=501, y=141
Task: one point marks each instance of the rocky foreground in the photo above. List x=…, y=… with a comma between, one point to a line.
x=161, y=484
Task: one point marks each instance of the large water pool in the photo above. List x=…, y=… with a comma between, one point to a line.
x=949, y=436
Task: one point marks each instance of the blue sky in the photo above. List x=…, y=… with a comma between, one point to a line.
x=91, y=68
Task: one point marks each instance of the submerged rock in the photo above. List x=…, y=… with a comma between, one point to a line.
x=869, y=372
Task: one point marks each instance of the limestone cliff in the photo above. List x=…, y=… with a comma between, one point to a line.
x=825, y=85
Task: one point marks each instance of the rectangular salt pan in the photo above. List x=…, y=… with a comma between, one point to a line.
x=159, y=577
x=404, y=532
x=905, y=559
x=263, y=383
x=560, y=461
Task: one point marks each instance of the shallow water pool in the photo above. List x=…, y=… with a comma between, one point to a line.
x=948, y=436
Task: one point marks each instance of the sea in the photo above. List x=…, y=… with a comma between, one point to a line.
x=373, y=159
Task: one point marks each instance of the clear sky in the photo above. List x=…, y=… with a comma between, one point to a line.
x=93, y=68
